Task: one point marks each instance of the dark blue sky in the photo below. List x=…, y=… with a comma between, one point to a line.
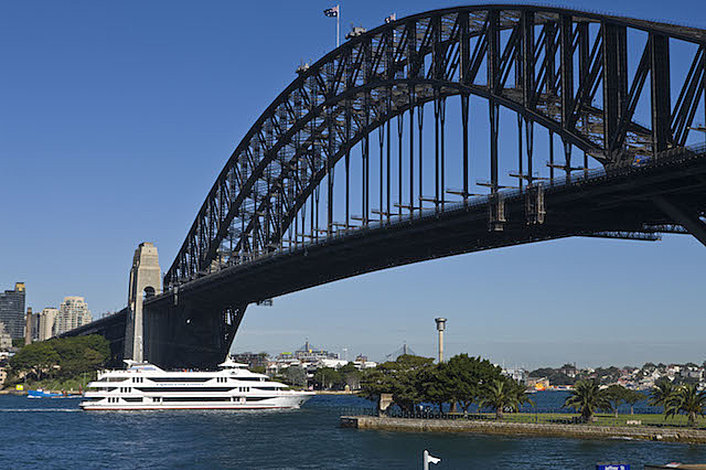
x=116, y=117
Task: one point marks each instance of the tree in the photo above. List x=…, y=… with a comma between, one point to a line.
x=36, y=360
x=62, y=358
x=400, y=378
x=325, y=378
x=631, y=397
x=688, y=400
x=616, y=395
x=587, y=398
x=661, y=391
x=350, y=376
x=435, y=385
x=504, y=394
x=467, y=377
x=295, y=375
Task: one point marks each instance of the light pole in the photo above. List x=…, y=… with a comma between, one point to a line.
x=440, y=327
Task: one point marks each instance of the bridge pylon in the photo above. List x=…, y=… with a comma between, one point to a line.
x=145, y=281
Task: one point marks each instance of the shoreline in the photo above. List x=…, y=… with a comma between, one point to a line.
x=578, y=431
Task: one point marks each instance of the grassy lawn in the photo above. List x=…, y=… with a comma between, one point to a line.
x=602, y=419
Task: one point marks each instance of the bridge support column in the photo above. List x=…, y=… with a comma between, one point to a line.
x=690, y=222
x=145, y=281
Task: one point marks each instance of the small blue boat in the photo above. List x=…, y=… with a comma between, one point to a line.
x=39, y=393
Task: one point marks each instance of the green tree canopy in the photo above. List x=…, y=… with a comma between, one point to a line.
x=587, y=398
x=616, y=395
x=688, y=400
x=661, y=391
x=63, y=358
x=401, y=378
x=504, y=394
x=295, y=375
x=467, y=376
x=325, y=378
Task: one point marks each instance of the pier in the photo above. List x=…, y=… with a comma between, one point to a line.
x=580, y=431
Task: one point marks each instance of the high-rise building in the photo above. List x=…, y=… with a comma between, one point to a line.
x=12, y=310
x=46, y=323
x=73, y=312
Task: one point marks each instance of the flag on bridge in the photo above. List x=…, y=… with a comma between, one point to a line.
x=391, y=18
x=331, y=12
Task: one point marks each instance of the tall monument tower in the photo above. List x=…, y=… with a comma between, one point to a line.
x=440, y=327
x=145, y=281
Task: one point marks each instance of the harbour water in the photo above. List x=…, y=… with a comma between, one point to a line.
x=54, y=433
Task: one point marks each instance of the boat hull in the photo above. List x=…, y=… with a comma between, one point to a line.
x=276, y=403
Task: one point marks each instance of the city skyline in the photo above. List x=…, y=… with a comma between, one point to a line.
x=158, y=101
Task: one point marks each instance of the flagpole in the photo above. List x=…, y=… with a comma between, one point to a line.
x=338, y=27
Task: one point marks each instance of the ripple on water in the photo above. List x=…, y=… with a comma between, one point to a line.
x=56, y=434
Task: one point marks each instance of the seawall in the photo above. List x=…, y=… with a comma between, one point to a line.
x=581, y=431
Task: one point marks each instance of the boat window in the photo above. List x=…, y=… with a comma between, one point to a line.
x=191, y=399
x=184, y=389
x=179, y=379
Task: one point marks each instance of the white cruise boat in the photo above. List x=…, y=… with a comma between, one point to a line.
x=143, y=386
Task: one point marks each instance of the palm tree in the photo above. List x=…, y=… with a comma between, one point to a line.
x=632, y=397
x=504, y=395
x=686, y=399
x=587, y=398
x=661, y=392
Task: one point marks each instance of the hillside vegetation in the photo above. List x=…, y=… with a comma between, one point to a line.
x=59, y=363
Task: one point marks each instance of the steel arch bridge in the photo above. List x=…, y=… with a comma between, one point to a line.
x=570, y=72
x=339, y=176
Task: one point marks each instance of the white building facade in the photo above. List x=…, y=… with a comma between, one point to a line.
x=73, y=312
x=46, y=323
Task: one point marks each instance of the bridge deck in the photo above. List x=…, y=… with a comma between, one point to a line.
x=618, y=201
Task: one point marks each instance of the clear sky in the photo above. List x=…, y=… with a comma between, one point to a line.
x=116, y=117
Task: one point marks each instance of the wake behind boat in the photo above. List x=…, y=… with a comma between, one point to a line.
x=144, y=386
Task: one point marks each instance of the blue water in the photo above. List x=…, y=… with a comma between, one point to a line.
x=54, y=433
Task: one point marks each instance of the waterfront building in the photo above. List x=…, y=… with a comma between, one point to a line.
x=307, y=354
x=253, y=360
x=517, y=374
x=73, y=312
x=47, y=319
x=5, y=339
x=12, y=310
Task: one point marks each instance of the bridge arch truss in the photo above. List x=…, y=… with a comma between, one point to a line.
x=345, y=144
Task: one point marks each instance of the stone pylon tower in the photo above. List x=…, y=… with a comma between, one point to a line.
x=145, y=281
